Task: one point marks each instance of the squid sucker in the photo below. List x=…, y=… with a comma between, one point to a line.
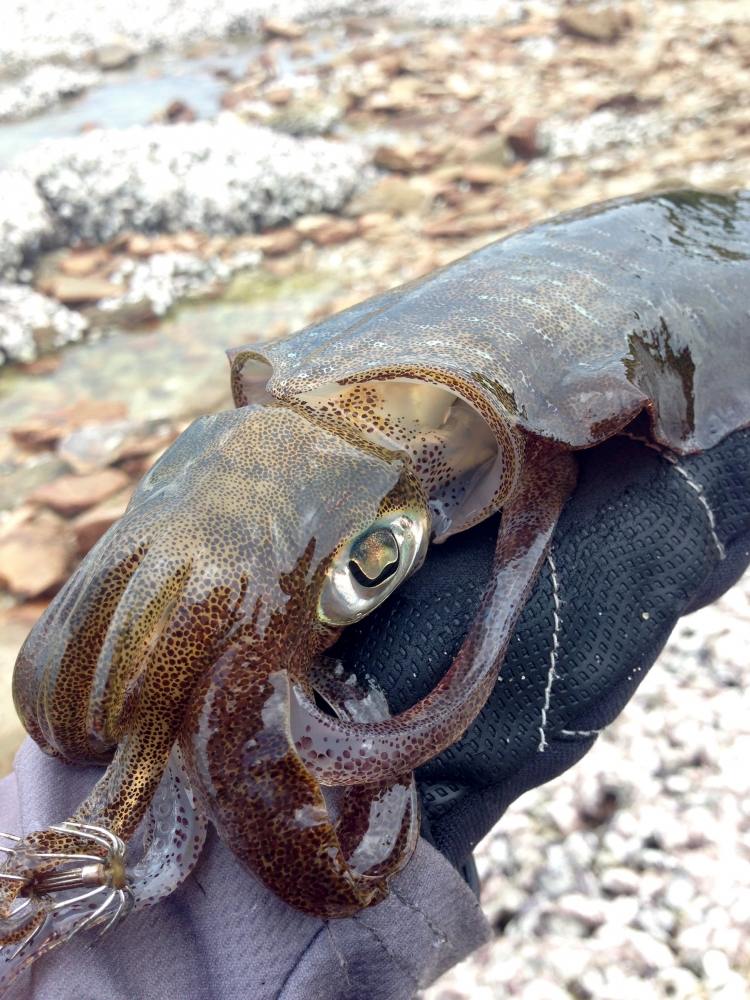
x=187, y=653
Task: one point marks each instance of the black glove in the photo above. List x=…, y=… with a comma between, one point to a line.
x=642, y=542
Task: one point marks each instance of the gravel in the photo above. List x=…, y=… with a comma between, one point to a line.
x=38, y=31
x=30, y=322
x=42, y=87
x=213, y=177
x=653, y=900
x=603, y=130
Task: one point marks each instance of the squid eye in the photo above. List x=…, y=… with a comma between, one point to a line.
x=374, y=557
x=371, y=566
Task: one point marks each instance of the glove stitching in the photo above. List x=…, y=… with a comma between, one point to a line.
x=410, y=972
x=692, y=483
x=702, y=497
x=437, y=933
x=298, y=962
x=552, y=672
x=338, y=952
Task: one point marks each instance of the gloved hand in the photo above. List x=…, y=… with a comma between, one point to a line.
x=642, y=542
x=635, y=549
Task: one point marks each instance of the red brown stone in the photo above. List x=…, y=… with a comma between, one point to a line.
x=35, y=555
x=89, y=527
x=69, y=495
x=43, y=432
x=523, y=138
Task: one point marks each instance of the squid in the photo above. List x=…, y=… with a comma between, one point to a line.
x=187, y=655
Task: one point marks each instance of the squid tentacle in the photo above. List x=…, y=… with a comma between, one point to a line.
x=377, y=825
x=54, y=909
x=340, y=752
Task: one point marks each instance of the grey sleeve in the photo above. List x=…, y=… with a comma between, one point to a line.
x=223, y=935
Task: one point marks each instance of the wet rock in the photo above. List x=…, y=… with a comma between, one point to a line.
x=31, y=324
x=70, y=495
x=373, y=225
x=153, y=438
x=72, y=290
x=43, y=432
x=482, y=174
x=278, y=95
x=42, y=366
x=138, y=245
x=97, y=445
x=677, y=983
x=462, y=87
x=396, y=195
x=83, y=263
x=400, y=95
x=276, y=28
x=588, y=911
x=620, y=882
x=603, y=25
x=325, y=229
x=569, y=963
x=41, y=88
x=305, y=115
x=625, y=100
x=740, y=35
x=524, y=138
x=217, y=178
x=177, y=111
x=407, y=158
x=89, y=527
x=494, y=152
x=646, y=954
x=19, y=479
x=455, y=226
x=128, y=313
x=25, y=223
x=35, y=554
x=115, y=55
x=278, y=241
x=240, y=95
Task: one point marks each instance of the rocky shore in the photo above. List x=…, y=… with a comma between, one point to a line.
x=546, y=108
x=338, y=155
x=111, y=33
x=627, y=878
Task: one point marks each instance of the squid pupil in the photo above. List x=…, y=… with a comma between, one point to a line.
x=374, y=558
x=324, y=705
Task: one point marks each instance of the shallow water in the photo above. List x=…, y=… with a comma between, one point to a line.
x=175, y=369
x=172, y=369
x=136, y=94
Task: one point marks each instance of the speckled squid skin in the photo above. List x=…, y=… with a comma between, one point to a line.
x=194, y=619
x=208, y=588
x=571, y=327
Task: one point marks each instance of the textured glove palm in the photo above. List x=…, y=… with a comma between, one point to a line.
x=643, y=541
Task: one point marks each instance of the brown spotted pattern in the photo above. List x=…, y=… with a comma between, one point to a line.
x=193, y=622
x=189, y=622
x=465, y=456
